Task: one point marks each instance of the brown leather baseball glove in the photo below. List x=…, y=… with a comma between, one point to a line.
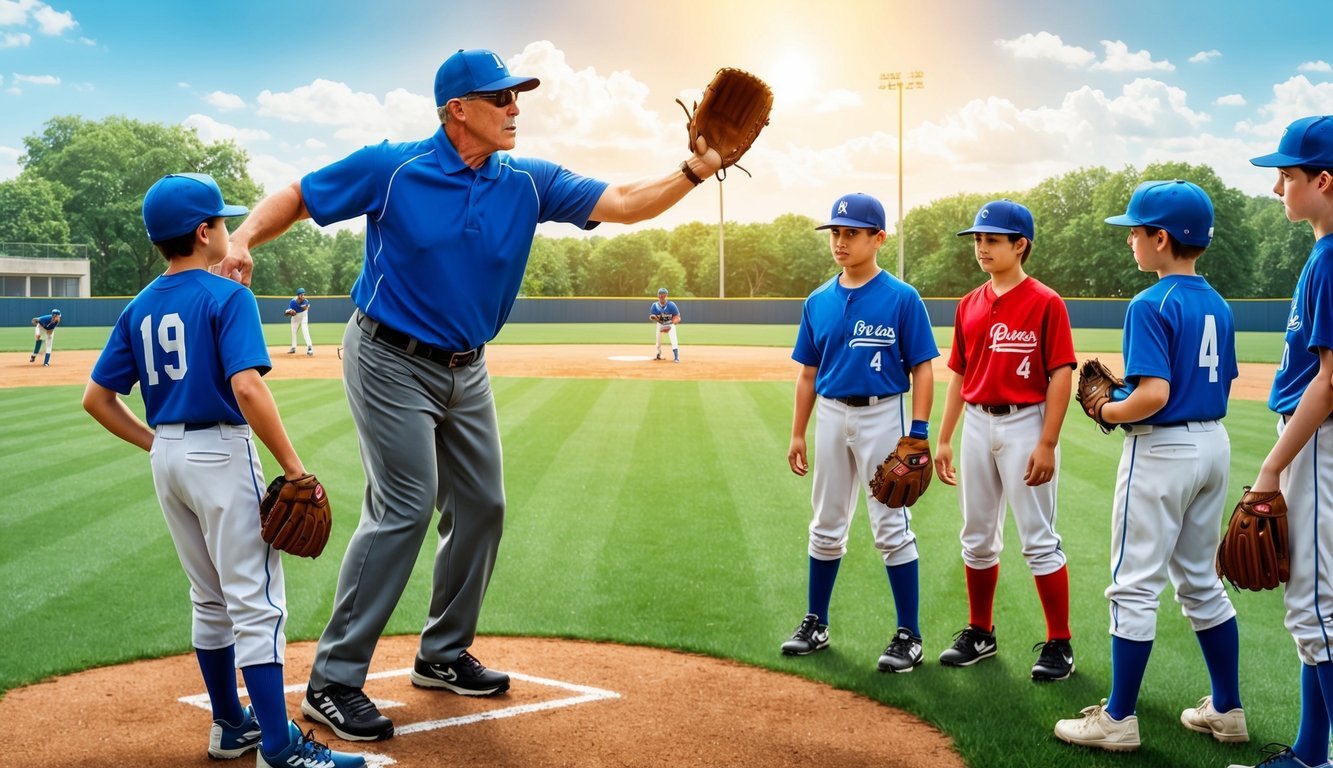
x=734, y=110
x=1095, y=382
x=1254, y=551
x=904, y=474
x=294, y=515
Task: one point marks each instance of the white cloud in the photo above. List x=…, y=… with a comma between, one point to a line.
x=1044, y=45
x=225, y=101
x=9, y=162
x=87, y=41
x=51, y=21
x=837, y=100
x=14, y=12
x=14, y=39
x=1297, y=97
x=1119, y=59
x=1315, y=66
x=361, y=117
x=1204, y=56
x=37, y=79
x=313, y=144
x=1230, y=100
x=211, y=131
x=182, y=84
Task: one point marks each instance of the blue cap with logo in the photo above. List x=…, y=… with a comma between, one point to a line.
x=856, y=210
x=1307, y=141
x=1180, y=207
x=661, y=291
x=1003, y=217
x=179, y=202
x=476, y=70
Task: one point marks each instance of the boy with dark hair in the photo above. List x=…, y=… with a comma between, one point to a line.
x=193, y=343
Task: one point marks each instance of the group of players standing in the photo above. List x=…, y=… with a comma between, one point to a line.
x=865, y=342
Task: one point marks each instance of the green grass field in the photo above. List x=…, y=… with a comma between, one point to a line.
x=605, y=541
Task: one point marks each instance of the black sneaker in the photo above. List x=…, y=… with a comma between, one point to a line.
x=348, y=711
x=1056, y=661
x=466, y=676
x=811, y=636
x=969, y=646
x=903, y=653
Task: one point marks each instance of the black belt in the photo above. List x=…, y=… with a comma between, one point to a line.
x=861, y=402
x=380, y=332
x=1003, y=410
x=195, y=426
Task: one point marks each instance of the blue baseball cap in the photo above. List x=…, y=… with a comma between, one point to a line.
x=1180, y=207
x=856, y=210
x=661, y=291
x=179, y=202
x=300, y=290
x=476, y=70
x=1307, y=141
x=1003, y=217
x=55, y=311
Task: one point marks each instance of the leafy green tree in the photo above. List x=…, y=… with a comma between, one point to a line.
x=301, y=258
x=694, y=247
x=1074, y=250
x=801, y=255
x=1281, y=247
x=549, y=272
x=347, y=254
x=33, y=211
x=938, y=262
x=107, y=166
x=622, y=265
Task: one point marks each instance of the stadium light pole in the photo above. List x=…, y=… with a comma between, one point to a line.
x=721, y=261
x=915, y=80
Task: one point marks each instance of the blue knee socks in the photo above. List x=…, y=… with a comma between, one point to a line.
x=36, y=347
x=904, y=581
x=1311, y=744
x=1129, y=660
x=264, y=682
x=1221, y=653
x=218, y=667
x=822, y=575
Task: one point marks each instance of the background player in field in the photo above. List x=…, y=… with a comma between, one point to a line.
x=666, y=316
x=298, y=309
x=1300, y=463
x=193, y=343
x=1012, y=363
x=44, y=328
x=864, y=340
x=1171, y=486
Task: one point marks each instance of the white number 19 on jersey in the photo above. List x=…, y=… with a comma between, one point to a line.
x=171, y=337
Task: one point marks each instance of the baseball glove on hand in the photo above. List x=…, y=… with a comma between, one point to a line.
x=294, y=515
x=1095, y=382
x=1253, y=554
x=904, y=475
x=734, y=110
x=290, y=313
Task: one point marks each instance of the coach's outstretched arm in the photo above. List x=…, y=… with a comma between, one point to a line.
x=273, y=215
x=640, y=200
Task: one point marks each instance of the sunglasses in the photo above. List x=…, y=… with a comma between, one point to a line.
x=501, y=98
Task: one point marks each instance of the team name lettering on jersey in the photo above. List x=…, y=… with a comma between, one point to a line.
x=1294, y=319
x=1003, y=339
x=869, y=335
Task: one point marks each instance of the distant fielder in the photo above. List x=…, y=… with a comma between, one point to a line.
x=666, y=315
x=44, y=328
x=299, y=311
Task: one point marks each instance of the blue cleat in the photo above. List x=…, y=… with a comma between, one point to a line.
x=227, y=741
x=305, y=752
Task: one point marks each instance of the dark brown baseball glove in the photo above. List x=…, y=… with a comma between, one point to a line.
x=1095, y=382
x=904, y=474
x=734, y=110
x=294, y=515
x=1254, y=551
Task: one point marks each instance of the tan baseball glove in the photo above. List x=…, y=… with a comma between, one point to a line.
x=734, y=110
x=904, y=474
x=1095, y=382
x=290, y=312
x=294, y=515
x=1254, y=551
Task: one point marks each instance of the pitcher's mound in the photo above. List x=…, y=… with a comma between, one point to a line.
x=570, y=704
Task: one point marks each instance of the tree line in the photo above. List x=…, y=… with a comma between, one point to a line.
x=83, y=181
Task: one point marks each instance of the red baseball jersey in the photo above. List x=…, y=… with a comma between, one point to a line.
x=1005, y=346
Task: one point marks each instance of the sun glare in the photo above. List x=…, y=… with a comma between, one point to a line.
x=792, y=78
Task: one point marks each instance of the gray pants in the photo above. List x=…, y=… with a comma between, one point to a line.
x=429, y=439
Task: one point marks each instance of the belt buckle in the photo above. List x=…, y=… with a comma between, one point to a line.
x=460, y=359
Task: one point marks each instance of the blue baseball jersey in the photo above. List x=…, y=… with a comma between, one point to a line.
x=1182, y=330
x=47, y=321
x=446, y=246
x=864, y=341
x=1309, y=328
x=669, y=309
x=299, y=306
x=181, y=340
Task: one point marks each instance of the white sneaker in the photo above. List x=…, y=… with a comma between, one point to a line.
x=309, y=351
x=1096, y=728
x=1226, y=727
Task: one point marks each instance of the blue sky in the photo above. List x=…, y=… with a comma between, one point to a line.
x=1014, y=92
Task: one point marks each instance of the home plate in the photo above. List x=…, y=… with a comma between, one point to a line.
x=629, y=358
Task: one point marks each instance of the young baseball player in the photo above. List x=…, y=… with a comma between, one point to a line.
x=666, y=316
x=44, y=328
x=298, y=309
x=1300, y=463
x=192, y=341
x=864, y=341
x=1180, y=360
x=1012, y=363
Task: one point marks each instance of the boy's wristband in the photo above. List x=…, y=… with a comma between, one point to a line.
x=920, y=429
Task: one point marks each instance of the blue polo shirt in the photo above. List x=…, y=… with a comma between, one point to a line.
x=864, y=341
x=1309, y=328
x=446, y=246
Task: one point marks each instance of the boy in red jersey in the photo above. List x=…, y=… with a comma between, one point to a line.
x=1012, y=362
